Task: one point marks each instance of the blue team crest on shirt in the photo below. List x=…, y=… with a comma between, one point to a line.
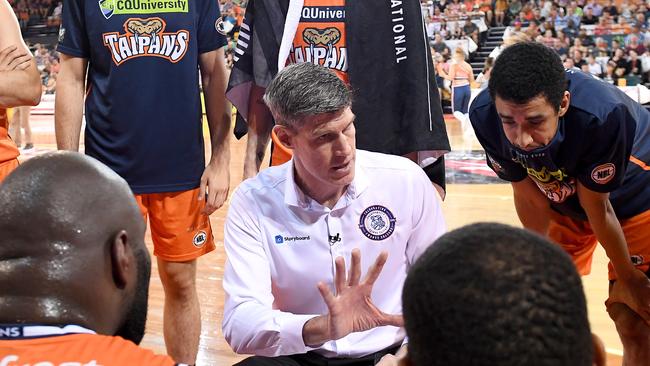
x=107, y=7
x=377, y=222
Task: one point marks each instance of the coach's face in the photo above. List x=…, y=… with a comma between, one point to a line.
x=533, y=124
x=323, y=150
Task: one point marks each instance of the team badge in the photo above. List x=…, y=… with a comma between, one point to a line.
x=377, y=223
x=107, y=7
x=199, y=239
x=603, y=173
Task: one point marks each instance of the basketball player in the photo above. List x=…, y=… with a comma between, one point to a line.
x=518, y=298
x=576, y=151
x=74, y=291
x=20, y=83
x=144, y=120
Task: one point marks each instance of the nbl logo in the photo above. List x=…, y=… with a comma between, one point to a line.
x=603, y=173
x=199, y=239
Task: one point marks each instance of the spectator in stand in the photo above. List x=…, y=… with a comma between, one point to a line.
x=595, y=7
x=578, y=59
x=594, y=68
x=548, y=39
x=484, y=77
x=634, y=64
x=610, y=8
x=616, y=45
x=470, y=30
x=514, y=8
x=571, y=29
x=619, y=61
x=634, y=45
x=609, y=75
x=589, y=18
x=574, y=13
x=440, y=46
x=500, y=8
x=577, y=46
x=561, y=20
x=601, y=49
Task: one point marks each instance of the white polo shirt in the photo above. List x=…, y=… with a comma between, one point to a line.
x=281, y=243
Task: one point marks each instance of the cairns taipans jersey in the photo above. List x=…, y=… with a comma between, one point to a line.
x=70, y=345
x=143, y=109
x=603, y=142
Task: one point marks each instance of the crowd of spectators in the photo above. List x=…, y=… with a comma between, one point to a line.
x=37, y=12
x=607, y=39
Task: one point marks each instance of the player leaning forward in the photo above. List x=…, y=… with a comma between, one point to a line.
x=576, y=151
x=291, y=230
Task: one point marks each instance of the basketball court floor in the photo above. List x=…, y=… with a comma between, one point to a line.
x=473, y=194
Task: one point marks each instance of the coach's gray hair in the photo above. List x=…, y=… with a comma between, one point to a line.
x=303, y=90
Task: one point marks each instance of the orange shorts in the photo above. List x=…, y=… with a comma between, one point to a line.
x=577, y=239
x=7, y=167
x=179, y=230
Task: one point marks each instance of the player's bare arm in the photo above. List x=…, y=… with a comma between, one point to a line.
x=20, y=83
x=260, y=124
x=68, y=107
x=634, y=286
x=215, y=181
x=532, y=206
x=351, y=308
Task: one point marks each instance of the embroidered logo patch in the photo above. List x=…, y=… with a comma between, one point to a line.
x=603, y=173
x=199, y=239
x=377, y=223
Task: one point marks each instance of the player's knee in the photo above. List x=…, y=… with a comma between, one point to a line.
x=628, y=324
x=178, y=279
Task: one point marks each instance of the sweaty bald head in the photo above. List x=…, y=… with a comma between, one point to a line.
x=72, y=245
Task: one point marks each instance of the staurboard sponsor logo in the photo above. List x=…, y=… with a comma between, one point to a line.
x=279, y=239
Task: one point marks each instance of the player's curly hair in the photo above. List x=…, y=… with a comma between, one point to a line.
x=490, y=294
x=526, y=70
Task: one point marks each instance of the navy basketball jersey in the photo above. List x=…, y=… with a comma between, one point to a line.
x=143, y=109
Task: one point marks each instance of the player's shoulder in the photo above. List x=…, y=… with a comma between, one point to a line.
x=481, y=101
x=269, y=179
x=387, y=168
x=595, y=98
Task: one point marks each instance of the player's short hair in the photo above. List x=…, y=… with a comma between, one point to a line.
x=527, y=70
x=490, y=294
x=303, y=90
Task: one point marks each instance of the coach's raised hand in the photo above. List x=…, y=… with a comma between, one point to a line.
x=351, y=308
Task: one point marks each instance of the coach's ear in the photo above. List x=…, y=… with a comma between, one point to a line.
x=565, y=103
x=285, y=135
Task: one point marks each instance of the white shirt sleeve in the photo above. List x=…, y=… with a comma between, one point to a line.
x=428, y=220
x=250, y=324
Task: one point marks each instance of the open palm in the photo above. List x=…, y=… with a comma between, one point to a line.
x=351, y=308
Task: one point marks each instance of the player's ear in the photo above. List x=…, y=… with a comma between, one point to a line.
x=121, y=259
x=565, y=103
x=285, y=135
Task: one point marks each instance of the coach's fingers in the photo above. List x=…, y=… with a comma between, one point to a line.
x=392, y=319
x=327, y=295
x=355, y=268
x=340, y=279
x=375, y=269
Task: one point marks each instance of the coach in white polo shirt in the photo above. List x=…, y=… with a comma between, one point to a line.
x=292, y=229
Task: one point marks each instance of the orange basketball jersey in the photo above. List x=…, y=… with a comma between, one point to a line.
x=73, y=349
x=8, y=150
x=320, y=37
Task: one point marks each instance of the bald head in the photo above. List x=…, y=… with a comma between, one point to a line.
x=72, y=245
